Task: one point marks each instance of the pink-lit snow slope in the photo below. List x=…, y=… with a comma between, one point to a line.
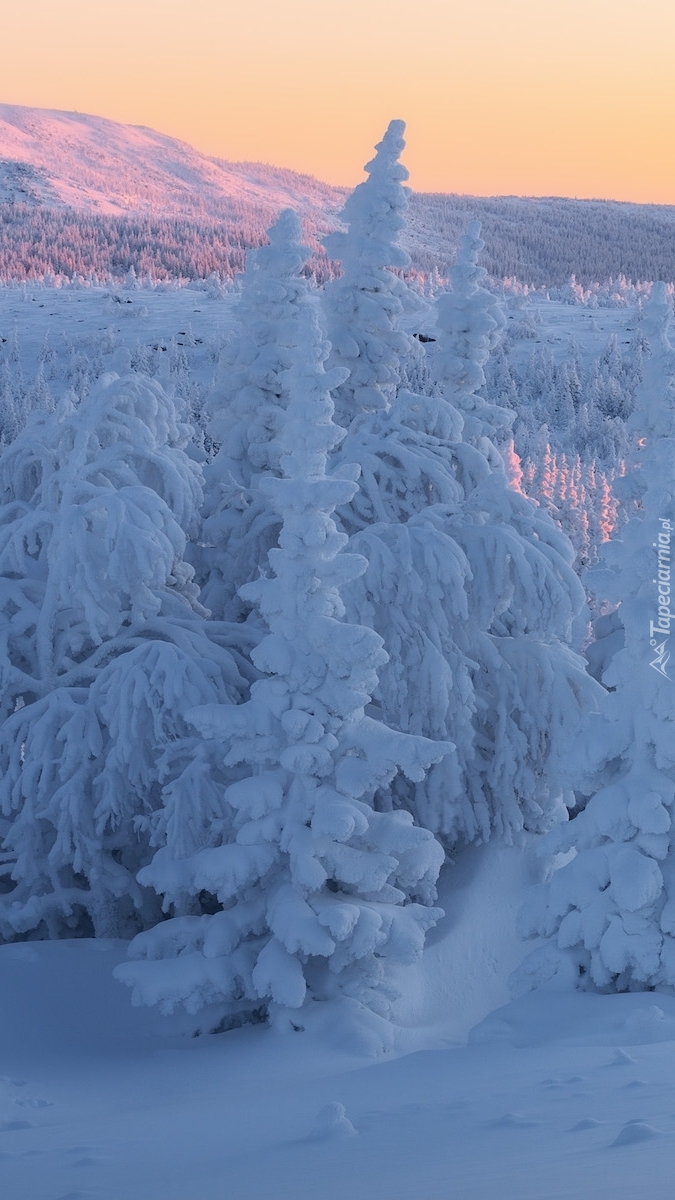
x=91, y=163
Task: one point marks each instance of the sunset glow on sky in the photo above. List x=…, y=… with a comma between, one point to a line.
x=533, y=97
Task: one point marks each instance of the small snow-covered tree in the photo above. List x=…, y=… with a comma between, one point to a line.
x=470, y=320
x=609, y=912
x=102, y=647
x=314, y=889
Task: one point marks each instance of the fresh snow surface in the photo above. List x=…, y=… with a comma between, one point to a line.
x=76, y=332
x=556, y=325
x=104, y=318
x=555, y=1096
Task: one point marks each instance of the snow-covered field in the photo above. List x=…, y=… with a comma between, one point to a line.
x=556, y=1095
x=98, y=320
x=590, y=328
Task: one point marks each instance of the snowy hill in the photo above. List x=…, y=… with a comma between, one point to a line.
x=134, y=188
x=96, y=165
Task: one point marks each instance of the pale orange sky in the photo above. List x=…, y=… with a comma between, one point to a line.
x=534, y=97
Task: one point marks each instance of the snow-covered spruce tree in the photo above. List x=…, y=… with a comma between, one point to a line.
x=364, y=305
x=609, y=912
x=102, y=647
x=247, y=407
x=470, y=321
x=316, y=890
x=476, y=599
x=524, y=601
x=469, y=584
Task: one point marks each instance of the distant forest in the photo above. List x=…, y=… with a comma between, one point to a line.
x=544, y=242
x=539, y=242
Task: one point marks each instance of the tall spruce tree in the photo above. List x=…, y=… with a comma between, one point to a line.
x=311, y=889
x=363, y=307
x=470, y=320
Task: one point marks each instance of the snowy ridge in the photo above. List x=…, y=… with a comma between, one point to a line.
x=52, y=163
x=94, y=164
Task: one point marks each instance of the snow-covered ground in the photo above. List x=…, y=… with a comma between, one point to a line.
x=98, y=320
x=590, y=328
x=555, y=1096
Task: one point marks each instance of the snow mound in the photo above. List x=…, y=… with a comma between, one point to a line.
x=546, y=1016
x=635, y=1131
x=332, y=1122
x=472, y=951
x=136, y=1111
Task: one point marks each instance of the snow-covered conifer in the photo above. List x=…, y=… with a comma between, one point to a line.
x=364, y=305
x=470, y=320
x=514, y=468
x=471, y=587
x=102, y=646
x=247, y=408
x=314, y=889
x=609, y=912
